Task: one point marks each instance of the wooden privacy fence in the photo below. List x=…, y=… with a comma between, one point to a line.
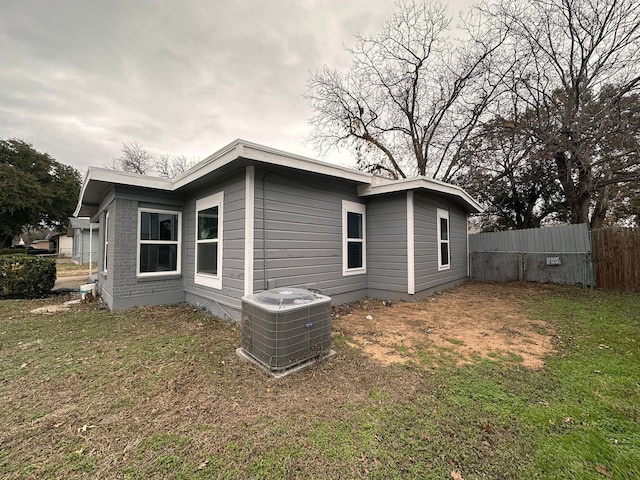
x=617, y=255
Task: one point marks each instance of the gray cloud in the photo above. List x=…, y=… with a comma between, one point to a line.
x=79, y=78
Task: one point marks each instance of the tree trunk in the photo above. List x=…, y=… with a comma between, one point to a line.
x=578, y=194
x=600, y=210
x=580, y=208
x=5, y=241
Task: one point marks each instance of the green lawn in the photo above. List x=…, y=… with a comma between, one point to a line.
x=159, y=393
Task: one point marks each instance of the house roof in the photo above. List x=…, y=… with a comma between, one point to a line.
x=80, y=223
x=99, y=180
x=381, y=185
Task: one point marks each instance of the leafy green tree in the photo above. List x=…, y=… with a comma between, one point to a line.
x=37, y=191
x=512, y=177
x=517, y=176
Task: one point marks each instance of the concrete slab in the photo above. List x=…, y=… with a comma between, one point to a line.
x=240, y=352
x=72, y=283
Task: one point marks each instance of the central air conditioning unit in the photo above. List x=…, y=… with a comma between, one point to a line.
x=285, y=328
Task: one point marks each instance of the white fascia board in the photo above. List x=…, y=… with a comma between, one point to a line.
x=81, y=196
x=390, y=186
x=284, y=159
x=236, y=149
x=108, y=176
x=242, y=148
x=210, y=164
x=124, y=178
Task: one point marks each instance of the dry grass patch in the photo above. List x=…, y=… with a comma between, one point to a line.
x=160, y=393
x=465, y=325
x=65, y=267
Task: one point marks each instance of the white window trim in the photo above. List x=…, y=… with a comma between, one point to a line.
x=206, y=279
x=105, y=257
x=443, y=214
x=360, y=208
x=159, y=242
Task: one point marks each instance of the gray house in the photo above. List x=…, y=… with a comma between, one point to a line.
x=250, y=218
x=85, y=235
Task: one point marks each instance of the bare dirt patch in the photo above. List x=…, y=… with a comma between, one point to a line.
x=56, y=308
x=472, y=322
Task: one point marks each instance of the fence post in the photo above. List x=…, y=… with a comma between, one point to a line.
x=520, y=267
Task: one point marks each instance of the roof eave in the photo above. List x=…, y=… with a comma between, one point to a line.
x=113, y=177
x=420, y=183
x=260, y=153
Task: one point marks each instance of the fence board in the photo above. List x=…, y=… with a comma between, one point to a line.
x=617, y=254
x=559, y=254
x=561, y=239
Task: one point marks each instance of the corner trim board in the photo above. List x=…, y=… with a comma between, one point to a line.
x=411, y=271
x=249, y=215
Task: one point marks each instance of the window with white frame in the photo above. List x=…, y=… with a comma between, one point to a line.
x=105, y=259
x=158, y=242
x=208, y=271
x=354, y=248
x=444, y=260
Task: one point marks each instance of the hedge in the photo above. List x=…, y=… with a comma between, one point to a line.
x=26, y=276
x=12, y=251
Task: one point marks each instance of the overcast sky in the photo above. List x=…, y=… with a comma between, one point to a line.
x=79, y=77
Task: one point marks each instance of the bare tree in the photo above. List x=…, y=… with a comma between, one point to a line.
x=575, y=77
x=136, y=159
x=169, y=166
x=410, y=99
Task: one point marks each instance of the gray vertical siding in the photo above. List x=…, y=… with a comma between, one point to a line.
x=387, y=245
x=426, y=243
x=225, y=302
x=298, y=234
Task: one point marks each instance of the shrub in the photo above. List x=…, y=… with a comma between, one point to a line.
x=26, y=276
x=12, y=251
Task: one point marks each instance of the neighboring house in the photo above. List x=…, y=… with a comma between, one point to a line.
x=250, y=218
x=86, y=240
x=49, y=243
x=65, y=246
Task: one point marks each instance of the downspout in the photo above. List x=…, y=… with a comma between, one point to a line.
x=90, y=246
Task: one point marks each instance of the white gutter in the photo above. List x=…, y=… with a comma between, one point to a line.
x=242, y=148
x=236, y=149
x=107, y=175
x=381, y=185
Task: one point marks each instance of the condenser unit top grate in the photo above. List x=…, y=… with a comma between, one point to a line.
x=285, y=298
